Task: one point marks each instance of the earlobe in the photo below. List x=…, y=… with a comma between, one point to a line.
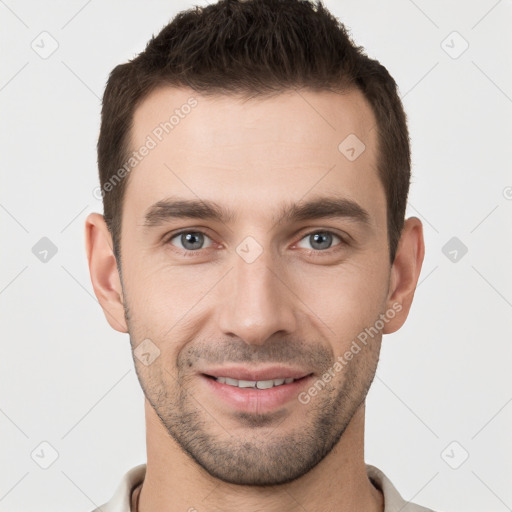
x=103, y=271
x=405, y=273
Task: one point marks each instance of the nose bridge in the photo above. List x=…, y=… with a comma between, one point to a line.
x=255, y=303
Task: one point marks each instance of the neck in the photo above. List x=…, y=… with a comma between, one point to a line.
x=174, y=482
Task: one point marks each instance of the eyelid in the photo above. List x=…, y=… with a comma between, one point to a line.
x=167, y=238
x=323, y=231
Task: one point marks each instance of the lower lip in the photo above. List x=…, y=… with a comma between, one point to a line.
x=256, y=400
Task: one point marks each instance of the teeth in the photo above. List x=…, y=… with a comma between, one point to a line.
x=260, y=384
x=246, y=383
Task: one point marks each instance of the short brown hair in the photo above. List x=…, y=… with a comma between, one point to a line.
x=254, y=48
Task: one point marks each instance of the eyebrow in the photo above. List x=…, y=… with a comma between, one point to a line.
x=319, y=208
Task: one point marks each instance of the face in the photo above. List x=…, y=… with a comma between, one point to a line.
x=278, y=268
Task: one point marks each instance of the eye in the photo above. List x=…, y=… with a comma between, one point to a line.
x=190, y=240
x=320, y=240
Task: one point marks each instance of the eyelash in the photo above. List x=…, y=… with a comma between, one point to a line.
x=310, y=252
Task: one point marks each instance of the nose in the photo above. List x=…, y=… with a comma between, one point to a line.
x=255, y=301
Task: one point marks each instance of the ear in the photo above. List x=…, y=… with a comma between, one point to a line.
x=405, y=272
x=103, y=270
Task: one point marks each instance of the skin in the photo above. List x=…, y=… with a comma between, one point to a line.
x=286, y=307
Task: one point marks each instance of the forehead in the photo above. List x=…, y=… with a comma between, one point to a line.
x=250, y=154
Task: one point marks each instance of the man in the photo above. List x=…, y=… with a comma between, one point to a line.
x=254, y=167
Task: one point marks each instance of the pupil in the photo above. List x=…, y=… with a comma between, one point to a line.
x=189, y=238
x=325, y=236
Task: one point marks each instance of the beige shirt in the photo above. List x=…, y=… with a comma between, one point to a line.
x=393, y=502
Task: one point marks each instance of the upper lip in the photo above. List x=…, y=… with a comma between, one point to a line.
x=257, y=374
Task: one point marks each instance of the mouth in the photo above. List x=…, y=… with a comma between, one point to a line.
x=255, y=384
x=255, y=396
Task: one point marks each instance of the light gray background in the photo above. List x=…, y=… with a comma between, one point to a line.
x=68, y=378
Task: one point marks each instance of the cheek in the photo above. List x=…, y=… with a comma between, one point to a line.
x=165, y=299
x=347, y=298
